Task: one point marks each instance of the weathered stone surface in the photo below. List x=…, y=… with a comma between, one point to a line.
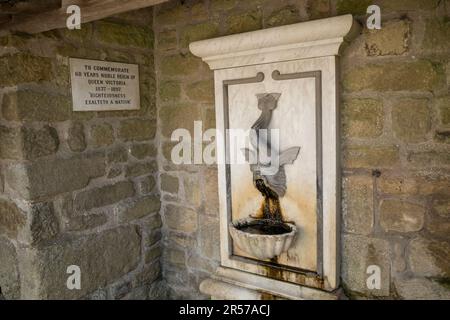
x=167, y=148
x=399, y=259
x=117, y=155
x=23, y=68
x=442, y=136
x=9, y=274
x=358, y=204
x=199, y=10
x=199, y=31
x=219, y=5
x=147, y=184
x=142, y=16
x=141, y=151
x=429, y=258
x=421, y=289
x=175, y=256
x=100, y=294
x=114, y=172
x=370, y=156
x=152, y=238
x=85, y=222
x=140, y=169
x=436, y=35
x=358, y=253
x=18, y=41
x=44, y=224
x=167, y=40
x=171, y=14
x=169, y=90
x=180, y=219
x=2, y=182
x=175, y=117
x=429, y=158
x=137, y=129
x=407, y=5
x=438, y=227
x=140, y=208
x=420, y=75
x=249, y=21
x=49, y=177
x=152, y=222
x=443, y=105
x=76, y=138
x=319, y=9
x=169, y=183
x=36, y=106
x=355, y=7
x=193, y=190
x=103, y=196
x=202, y=91
x=124, y=35
x=442, y=207
x=401, y=216
x=120, y=290
x=363, y=118
x=11, y=218
x=62, y=75
x=102, y=258
x=27, y=143
x=78, y=35
x=392, y=39
x=179, y=65
x=102, y=135
x=39, y=142
x=200, y=263
x=438, y=185
x=209, y=237
x=147, y=275
x=397, y=185
x=211, y=192
x=287, y=15
x=153, y=253
x=411, y=120
x=10, y=143
x=181, y=239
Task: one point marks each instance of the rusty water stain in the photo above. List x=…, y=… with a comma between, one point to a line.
x=275, y=271
x=268, y=296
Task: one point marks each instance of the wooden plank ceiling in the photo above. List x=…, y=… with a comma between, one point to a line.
x=35, y=16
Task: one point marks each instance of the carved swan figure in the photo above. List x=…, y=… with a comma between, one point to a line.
x=271, y=186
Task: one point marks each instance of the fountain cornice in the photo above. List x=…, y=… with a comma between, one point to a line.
x=311, y=39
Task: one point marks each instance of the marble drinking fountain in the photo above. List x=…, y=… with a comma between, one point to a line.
x=279, y=215
x=266, y=235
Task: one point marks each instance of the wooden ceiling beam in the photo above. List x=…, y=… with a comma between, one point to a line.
x=91, y=10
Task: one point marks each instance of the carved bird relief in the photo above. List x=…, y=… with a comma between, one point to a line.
x=271, y=186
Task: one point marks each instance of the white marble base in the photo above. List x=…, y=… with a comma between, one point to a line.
x=231, y=284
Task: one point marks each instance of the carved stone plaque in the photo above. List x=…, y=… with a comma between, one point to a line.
x=103, y=85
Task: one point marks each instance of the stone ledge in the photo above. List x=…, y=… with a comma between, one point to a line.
x=310, y=39
x=231, y=284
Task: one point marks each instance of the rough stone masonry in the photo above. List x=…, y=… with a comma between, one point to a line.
x=98, y=189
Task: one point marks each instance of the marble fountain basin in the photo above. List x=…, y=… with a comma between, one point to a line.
x=262, y=238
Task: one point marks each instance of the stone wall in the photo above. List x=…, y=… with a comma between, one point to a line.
x=395, y=134
x=77, y=188
x=98, y=189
